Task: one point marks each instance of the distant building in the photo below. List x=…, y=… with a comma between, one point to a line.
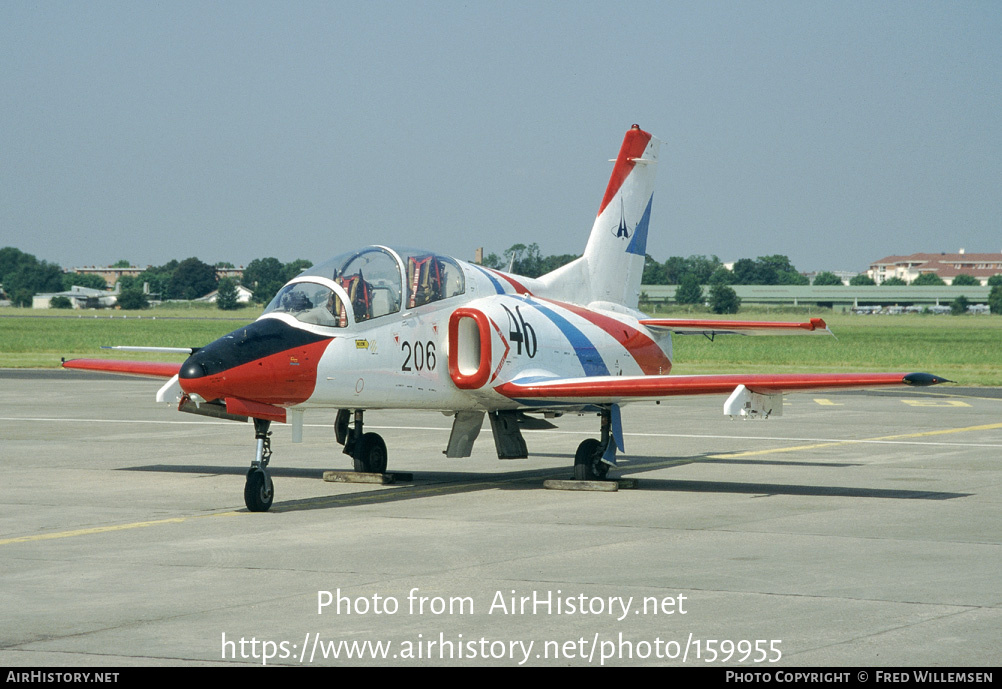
x=113, y=275
x=844, y=275
x=946, y=266
x=80, y=298
x=244, y=296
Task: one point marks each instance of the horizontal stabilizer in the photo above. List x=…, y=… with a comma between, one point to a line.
x=684, y=326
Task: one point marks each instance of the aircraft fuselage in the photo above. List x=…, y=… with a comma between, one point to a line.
x=449, y=353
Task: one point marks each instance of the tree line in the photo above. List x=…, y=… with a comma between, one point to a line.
x=708, y=270
x=692, y=272
x=22, y=276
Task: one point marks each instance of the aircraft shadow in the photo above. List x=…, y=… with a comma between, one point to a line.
x=770, y=489
x=438, y=483
x=640, y=462
x=287, y=472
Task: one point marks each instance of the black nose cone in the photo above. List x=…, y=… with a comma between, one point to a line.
x=192, y=367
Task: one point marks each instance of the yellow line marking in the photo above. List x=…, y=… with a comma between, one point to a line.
x=986, y=427
x=106, y=529
x=364, y=498
x=827, y=403
x=935, y=403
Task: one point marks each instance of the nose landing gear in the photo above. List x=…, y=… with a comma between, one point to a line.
x=259, y=491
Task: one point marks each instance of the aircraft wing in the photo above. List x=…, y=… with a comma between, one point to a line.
x=620, y=389
x=146, y=369
x=695, y=326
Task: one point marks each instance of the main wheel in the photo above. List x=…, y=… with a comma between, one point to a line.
x=371, y=457
x=258, y=491
x=588, y=464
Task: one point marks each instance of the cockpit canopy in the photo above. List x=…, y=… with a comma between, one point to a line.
x=310, y=302
x=378, y=280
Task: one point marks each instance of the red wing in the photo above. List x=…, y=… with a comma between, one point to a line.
x=617, y=389
x=695, y=326
x=147, y=369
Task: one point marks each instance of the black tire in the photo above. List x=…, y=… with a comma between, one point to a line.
x=371, y=457
x=588, y=464
x=258, y=491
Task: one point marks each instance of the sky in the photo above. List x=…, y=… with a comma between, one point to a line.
x=835, y=133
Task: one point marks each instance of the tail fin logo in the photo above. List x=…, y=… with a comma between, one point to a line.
x=623, y=230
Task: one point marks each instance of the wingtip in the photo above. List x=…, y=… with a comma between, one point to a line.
x=924, y=379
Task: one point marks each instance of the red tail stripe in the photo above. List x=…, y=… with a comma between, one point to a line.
x=634, y=144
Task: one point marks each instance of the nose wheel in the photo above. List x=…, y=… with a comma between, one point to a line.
x=259, y=491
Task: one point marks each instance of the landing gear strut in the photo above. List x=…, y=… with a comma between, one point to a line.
x=259, y=490
x=588, y=464
x=367, y=450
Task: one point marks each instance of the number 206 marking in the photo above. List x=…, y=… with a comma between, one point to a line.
x=420, y=354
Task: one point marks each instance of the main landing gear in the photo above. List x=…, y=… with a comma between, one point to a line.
x=367, y=450
x=588, y=464
x=259, y=490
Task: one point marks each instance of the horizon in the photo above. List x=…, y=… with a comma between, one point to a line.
x=725, y=263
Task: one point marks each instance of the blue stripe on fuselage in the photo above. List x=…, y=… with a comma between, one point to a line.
x=586, y=352
x=497, y=283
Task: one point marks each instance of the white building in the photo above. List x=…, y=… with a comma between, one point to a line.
x=243, y=296
x=947, y=266
x=80, y=298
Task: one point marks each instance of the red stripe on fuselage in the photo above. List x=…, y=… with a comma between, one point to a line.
x=519, y=287
x=645, y=351
x=634, y=144
x=284, y=378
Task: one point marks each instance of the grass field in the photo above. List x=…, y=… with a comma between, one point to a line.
x=38, y=339
x=965, y=349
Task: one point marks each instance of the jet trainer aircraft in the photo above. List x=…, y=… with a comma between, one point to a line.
x=398, y=328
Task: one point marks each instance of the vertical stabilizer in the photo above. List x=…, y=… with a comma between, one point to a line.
x=613, y=262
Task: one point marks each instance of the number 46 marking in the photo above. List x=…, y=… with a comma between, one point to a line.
x=521, y=332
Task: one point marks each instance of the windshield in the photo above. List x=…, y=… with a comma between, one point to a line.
x=310, y=302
